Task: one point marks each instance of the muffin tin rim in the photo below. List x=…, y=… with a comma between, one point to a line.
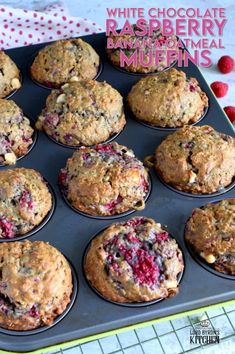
x=129, y=304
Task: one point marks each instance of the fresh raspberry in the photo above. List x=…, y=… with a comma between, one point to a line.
x=230, y=111
x=104, y=148
x=33, y=312
x=225, y=64
x=219, y=88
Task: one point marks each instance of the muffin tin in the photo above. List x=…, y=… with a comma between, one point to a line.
x=70, y=232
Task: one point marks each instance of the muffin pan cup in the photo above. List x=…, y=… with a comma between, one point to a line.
x=125, y=304
x=201, y=261
x=57, y=319
x=167, y=129
x=108, y=217
x=34, y=140
x=41, y=224
x=70, y=232
x=100, y=68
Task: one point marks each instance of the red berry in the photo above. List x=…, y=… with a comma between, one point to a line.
x=226, y=64
x=230, y=111
x=219, y=88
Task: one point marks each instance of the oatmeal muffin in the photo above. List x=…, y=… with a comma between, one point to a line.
x=63, y=61
x=134, y=261
x=168, y=99
x=104, y=180
x=85, y=113
x=15, y=133
x=9, y=75
x=211, y=232
x=24, y=201
x=198, y=160
x=157, y=40
x=35, y=284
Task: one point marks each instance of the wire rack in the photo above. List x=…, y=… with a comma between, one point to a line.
x=169, y=337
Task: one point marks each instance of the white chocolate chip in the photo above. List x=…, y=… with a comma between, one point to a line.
x=64, y=86
x=171, y=284
x=61, y=98
x=192, y=177
x=74, y=78
x=10, y=158
x=210, y=258
x=15, y=83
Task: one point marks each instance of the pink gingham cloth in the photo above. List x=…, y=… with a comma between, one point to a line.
x=20, y=27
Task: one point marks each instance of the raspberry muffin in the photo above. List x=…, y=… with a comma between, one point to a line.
x=63, y=61
x=86, y=113
x=134, y=261
x=211, y=232
x=9, y=75
x=24, y=201
x=147, y=53
x=35, y=285
x=198, y=160
x=167, y=100
x=15, y=133
x=105, y=180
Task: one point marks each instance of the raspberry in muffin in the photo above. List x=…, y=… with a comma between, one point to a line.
x=9, y=75
x=147, y=53
x=198, y=160
x=105, y=180
x=211, y=233
x=134, y=261
x=167, y=100
x=35, y=285
x=85, y=113
x=63, y=61
x=15, y=133
x=25, y=201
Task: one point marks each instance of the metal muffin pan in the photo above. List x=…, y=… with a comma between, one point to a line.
x=71, y=232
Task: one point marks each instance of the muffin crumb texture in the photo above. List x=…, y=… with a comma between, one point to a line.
x=169, y=100
x=198, y=160
x=63, y=61
x=15, y=133
x=35, y=285
x=9, y=75
x=211, y=233
x=134, y=261
x=105, y=180
x=24, y=201
x=84, y=113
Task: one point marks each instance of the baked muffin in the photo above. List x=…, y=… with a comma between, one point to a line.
x=134, y=261
x=15, y=133
x=198, y=160
x=87, y=112
x=63, y=61
x=9, y=75
x=105, y=180
x=35, y=284
x=24, y=201
x=167, y=100
x=211, y=232
x=147, y=53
